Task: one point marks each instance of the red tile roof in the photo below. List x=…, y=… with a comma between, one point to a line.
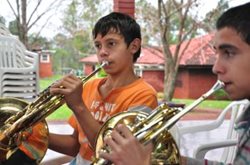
x=151, y=55
x=199, y=52
x=89, y=59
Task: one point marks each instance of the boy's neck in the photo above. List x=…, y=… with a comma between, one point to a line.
x=113, y=82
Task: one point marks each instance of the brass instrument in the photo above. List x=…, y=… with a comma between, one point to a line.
x=150, y=128
x=17, y=116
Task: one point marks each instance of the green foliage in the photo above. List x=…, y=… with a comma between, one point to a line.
x=66, y=56
x=76, y=41
x=70, y=18
x=214, y=14
x=82, y=43
x=39, y=41
x=59, y=59
x=2, y=20
x=146, y=16
x=88, y=15
x=13, y=28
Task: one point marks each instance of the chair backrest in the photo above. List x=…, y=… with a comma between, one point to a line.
x=13, y=54
x=19, y=69
x=237, y=108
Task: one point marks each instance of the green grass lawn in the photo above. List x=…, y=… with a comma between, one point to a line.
x=210, y=104
x=63, y=112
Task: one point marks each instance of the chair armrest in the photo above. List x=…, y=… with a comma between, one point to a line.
x=204, y=127
x=215, y=123
x=198, y=128
x=201, y=151
x=32, y=57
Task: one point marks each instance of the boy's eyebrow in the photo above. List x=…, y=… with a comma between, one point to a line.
x=225, y=46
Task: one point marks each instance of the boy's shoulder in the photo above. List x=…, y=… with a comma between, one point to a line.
x=143, y=84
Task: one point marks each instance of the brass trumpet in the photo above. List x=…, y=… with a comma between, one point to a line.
x=151, y=128
x=17, y=116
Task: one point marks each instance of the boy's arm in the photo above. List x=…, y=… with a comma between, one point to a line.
x=66, y=144
x=88, y=124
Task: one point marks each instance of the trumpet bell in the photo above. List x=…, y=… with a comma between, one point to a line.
x=32, y=141
x=165, y=149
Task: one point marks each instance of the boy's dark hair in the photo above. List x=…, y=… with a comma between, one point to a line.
x=237, y=18
x=121, y=23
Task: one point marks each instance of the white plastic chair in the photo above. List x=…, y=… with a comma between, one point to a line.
x=19, y=69
x=228, y=154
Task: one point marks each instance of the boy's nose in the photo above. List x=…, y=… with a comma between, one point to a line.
x=103, y=52
x=215, y=68
x=218, y=67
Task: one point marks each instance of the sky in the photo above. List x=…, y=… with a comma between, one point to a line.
x=53, y=26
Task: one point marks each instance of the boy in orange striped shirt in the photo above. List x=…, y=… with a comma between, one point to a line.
x=117, y=39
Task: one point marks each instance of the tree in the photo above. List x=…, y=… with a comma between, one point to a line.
x=146, y=16
x=78, y=20
x=174, y=22
x=24, y=22
x=213, y=15
x=175, y=18
x=63, y=55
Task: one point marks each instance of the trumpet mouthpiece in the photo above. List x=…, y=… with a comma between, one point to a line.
x=104, y=63
x=218, y=85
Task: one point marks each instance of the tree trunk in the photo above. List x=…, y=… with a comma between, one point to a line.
x=170, y=74
x=23, y=35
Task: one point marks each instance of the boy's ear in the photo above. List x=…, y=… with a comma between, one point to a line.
x=135, y=45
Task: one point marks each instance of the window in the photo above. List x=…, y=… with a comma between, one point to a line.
x=44, y=58
x=138, y=72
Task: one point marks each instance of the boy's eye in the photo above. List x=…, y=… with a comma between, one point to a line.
x=97, y=46
x=229, y=53
x=111, y=43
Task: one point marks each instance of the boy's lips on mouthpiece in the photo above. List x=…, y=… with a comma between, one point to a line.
x=105, y=63
x=227, y=85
